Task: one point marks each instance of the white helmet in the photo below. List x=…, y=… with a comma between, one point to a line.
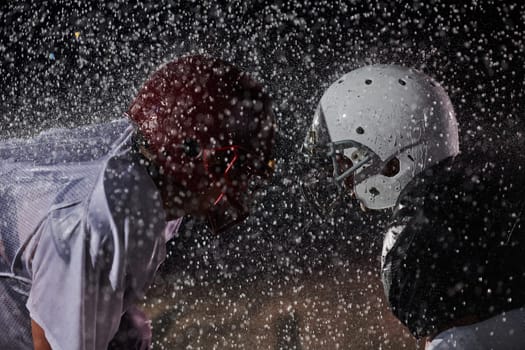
x=379, y=126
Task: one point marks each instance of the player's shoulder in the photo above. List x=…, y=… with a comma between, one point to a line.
x=129, y=193
x=475, y=175
x=463, y=192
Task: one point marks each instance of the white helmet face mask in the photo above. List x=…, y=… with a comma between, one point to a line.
x=375, y=129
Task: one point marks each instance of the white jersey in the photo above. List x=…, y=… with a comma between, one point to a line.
x=504, y=331
x=82, y=231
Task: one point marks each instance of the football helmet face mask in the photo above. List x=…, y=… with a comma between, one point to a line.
x=331, y=172
x=206, y=124
x=375, y=129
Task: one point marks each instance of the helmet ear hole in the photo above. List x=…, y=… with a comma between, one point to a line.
x=391, y=168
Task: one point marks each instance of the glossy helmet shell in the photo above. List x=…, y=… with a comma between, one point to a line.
x=388, y=112
x=196, y=103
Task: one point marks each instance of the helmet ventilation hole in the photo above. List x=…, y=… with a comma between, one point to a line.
x=374, y=191
x=391, y=168
x=340, y=81
x=402, y=82
x=368, y=81
x=360, y=130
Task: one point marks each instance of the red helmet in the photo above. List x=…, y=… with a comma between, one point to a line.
x=205, y=121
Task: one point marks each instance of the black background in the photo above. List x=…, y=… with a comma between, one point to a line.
x=474, y=48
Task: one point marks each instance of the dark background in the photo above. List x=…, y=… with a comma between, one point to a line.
x=50, y=78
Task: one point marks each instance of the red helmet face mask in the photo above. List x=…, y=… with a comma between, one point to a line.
x=207, y=125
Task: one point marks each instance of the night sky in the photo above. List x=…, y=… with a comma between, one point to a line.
x=65, y=63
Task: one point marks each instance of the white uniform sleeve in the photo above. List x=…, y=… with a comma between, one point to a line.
x=68, y=293
x=503, y=331
x=452, y=339
x=93, y=260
